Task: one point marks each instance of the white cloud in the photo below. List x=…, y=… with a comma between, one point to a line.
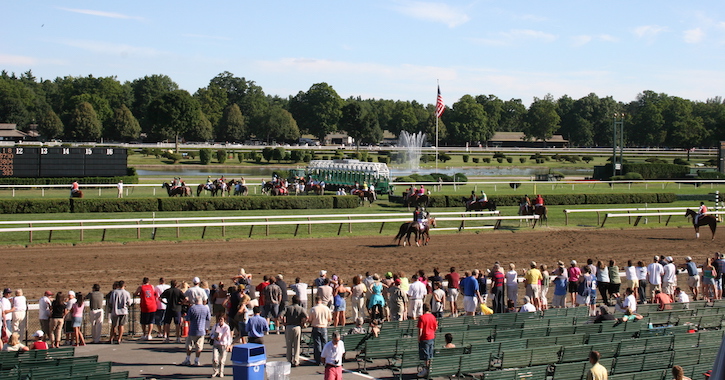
x=206, y=37
x=648, y=31
x=112, y=48
x=516, y=35
x=101, y=13
x=17, y=60
x=435, y=12
x=584, y=39
x=694, y=36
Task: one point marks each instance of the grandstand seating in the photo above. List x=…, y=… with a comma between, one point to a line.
x=55, y=364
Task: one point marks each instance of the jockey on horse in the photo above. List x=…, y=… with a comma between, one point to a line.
x=525, y=206
x=538, y=202
x=702, y=211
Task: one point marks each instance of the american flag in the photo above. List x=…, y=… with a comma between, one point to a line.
x=440, y=107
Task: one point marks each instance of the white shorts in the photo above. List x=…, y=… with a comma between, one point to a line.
x=416, y=308
x=452, y=294
x=559, y=301
x=533, y=291
x=470, y=304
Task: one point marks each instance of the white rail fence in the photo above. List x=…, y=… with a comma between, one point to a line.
x=478, y=219
x=628, y=210
x=641, y=215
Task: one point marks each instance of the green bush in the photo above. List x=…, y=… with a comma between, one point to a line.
x=487, y=160
x=500, y=160
x=444, y=157
x=499, y=155
x=655, y=160
x=174, y=157
x=241, y=156
x=476, y=160
x=522, y=160
x=384, y=160
x=34, y=206
x=680, y=161
x=466, y=157
x=114, y=205
x=257, y=157
x=221, y=156
x=655, y=171
x=204, y=156
x=268, y=153
x=587, y=159
x=279, y=154
x=509, y=159
x=710, y=175
x=132, y=178
x=628, y=176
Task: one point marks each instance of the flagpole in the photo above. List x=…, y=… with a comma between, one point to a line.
x=435, y=113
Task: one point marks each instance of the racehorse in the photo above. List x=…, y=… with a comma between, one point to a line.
x=213, y=188
x=182, y=191
x=409, y=228
x=76, y=194
x=239, y=189
x=541, y=211
x=316, y=188
x=417, y=200
x=270, y=188
x=366, y=195
x=479, y=205
x=704, y=220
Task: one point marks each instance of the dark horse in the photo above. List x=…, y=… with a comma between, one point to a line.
x=478, y=205
x=214, y=188
x=704, y=220
x=182, y=191
x=417, y=200
x=409, y=228
x=76, y=194
x=366, y=195
x=541, y=211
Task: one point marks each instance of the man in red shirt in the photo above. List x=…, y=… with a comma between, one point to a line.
x=453, y=279
x=148, y=295
x=427, y=326
x=260, y=289
x=663, y=299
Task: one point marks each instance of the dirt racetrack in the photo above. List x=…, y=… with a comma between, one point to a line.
x=63, y=267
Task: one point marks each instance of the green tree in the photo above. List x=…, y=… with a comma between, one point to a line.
x=146, y=90
x=268, y=153
x=278, y=154
x=201, y=131
x=542, y=119
x=221, y=156
x=123, y=125
x=213, y=100
x=205, y=156
x=279, y=126
x=247, y=95
x=493, y=107
x=512, y=116
x=50, y=126
x=83, y=124
x=467, y=121
x=684, y=129
x=318, y=110
x=231, y=126
x=403, y=118
x=173, y=114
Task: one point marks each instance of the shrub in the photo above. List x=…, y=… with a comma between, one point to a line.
x=654, y=160
x=257, y=157
x=268, y=153
x=308, y=158
x=499, y=155
x=499, y=159
x=204, y=156
x=384, y=160
x=710, y=175
x=443, y=157
x=587, y=159
x=192, y=154
x=466, y=157
x=487, y=160
x=509, y=159
x=476, y=159
x=680, y=161
x=241, y=156
x=174, y=157
x=297, y=155
x=278, y=154
x=522, y=160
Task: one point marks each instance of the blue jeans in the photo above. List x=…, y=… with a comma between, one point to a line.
x=319, y=337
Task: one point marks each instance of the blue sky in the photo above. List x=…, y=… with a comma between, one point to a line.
x=394, y=49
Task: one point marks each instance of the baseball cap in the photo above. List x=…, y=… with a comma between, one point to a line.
x=48, y=293
x=38, y=334
x=323, y=272
x=688, y=258
x=71, y=293
x=7, y=290
x=389, y=275
x=669, y=258
x=397, y=281
x=196, y=280
x=573, y=262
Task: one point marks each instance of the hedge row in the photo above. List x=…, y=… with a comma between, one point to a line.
x=67, y=180
x=557, y=199
x=75, y=205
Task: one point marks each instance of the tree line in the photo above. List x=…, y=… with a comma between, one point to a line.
x=234, y=109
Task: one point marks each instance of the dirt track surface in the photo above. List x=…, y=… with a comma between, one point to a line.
x=63, y=268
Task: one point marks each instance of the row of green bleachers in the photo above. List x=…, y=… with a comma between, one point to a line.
x=55, y=364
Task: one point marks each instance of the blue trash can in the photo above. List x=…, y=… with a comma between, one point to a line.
x=249, y=361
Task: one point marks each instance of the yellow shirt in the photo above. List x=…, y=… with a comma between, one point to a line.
x=597, y=372
x=533, y=277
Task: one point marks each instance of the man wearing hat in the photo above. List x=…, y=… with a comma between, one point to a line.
x=195, y=292
x=44, y=313
x=655, y=270
x=95, y=299
x=693, y=277
x=669, y=277
x=7, y=309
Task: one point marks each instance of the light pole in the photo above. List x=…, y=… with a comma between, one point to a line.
x=618, y=124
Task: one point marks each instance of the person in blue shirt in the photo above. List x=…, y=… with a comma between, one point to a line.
x=198, y=317
x=560, y=291
x=471, y=295
x=693, y=279
x=257, y=327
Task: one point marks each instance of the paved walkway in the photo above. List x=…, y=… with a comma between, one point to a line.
x=157, y=360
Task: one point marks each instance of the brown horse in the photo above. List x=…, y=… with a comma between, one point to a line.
x=409, y=228
x=704, y=220
x=182, y=191
x=416, y=200
x=76, y=194
x=366, y=195
x=316, y=188
x=541, y=211
x=478, y=206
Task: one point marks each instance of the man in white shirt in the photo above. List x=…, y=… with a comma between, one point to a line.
x=669, y=278
x=527, y=307
x=195, y=292
x=332, y=353
x=44, y=313
x=160, y=307
x=7, y=309
x=630, y=301
x=654, y=276
x=416, y=293
x=682, y=297
x=300, y=289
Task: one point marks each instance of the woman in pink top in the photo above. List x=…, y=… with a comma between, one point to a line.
x=76, y=313
x=574, y=273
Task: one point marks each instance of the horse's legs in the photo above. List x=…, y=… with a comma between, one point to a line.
x=697, y=231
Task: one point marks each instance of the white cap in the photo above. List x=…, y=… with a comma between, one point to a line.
x=196, y=280
x=71, y=293
x=688, y=258
x=669, y=258
x=38, y=334
x=573, y=262
x=323, y=272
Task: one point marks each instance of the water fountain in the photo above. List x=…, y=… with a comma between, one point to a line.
x=410, y=145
